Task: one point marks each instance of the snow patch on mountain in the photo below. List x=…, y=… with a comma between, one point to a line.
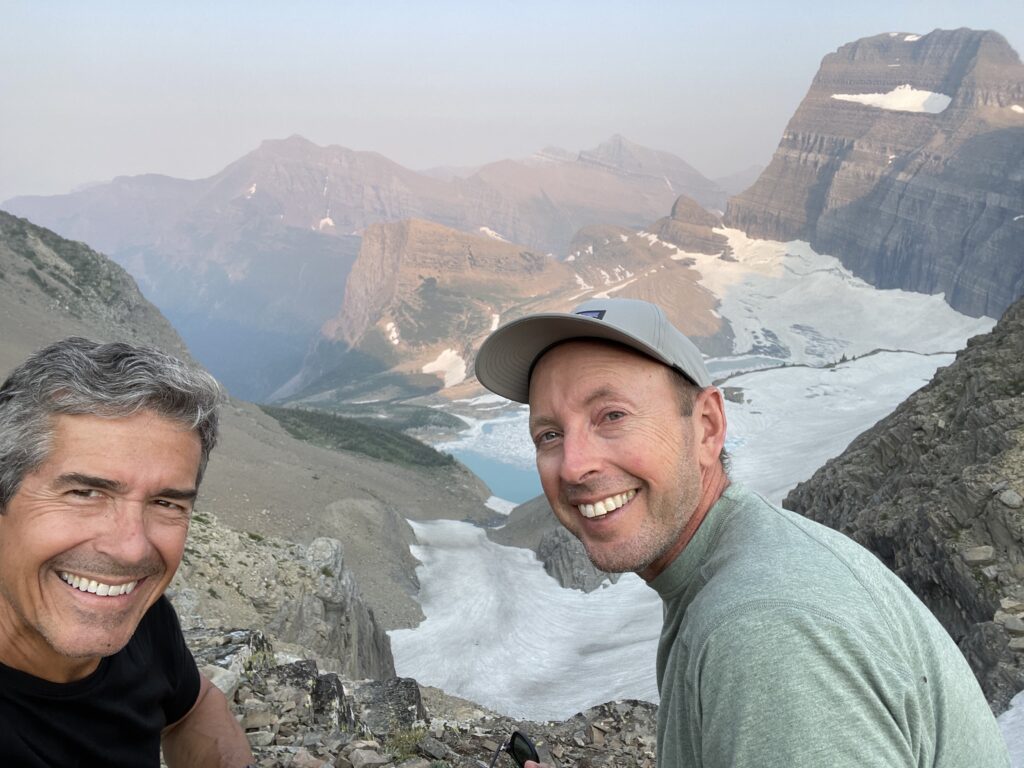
x=902, y=98
x=451, y=365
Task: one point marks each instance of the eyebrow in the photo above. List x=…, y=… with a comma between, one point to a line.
x=598, y=394
x=105, y=484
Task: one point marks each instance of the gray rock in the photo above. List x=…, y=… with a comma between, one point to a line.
x=1014, y=626
x=1011, y=498
x=385, y=707
x=566, y=560
x=366, y=758
x=984, y=555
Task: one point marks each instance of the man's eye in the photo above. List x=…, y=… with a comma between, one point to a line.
x=546, y=437
x=84, y=493
x=614, y=415
x=170, y=505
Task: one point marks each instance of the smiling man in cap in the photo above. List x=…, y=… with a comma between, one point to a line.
x=102, y=448
x=784, y=642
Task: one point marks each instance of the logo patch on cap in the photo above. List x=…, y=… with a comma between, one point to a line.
x=597, y=314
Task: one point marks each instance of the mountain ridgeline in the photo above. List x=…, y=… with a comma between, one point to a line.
x=279, y=229
x=300, y=268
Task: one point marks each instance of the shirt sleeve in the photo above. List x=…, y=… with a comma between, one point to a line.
x=784, y=687
x=180, y=667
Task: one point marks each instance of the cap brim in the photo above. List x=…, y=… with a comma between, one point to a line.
x=507, y=356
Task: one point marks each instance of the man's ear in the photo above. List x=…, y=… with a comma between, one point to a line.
x=709, y=413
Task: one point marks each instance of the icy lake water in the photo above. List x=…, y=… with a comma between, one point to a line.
x=511, y=482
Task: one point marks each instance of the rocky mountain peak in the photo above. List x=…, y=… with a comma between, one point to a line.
x=903, y=161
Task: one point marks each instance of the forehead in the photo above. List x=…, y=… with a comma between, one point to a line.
x=144, y=437
x=581, y=362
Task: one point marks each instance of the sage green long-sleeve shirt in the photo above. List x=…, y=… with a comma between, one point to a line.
x=788, y=645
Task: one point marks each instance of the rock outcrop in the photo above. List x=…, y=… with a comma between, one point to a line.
x=935, y=490
x=304, y=598
x=904, y=160
x=691, y=228
x=51, y=288
x=297, y=716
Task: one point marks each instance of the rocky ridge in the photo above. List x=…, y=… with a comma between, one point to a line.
x=935, y=490
x=922, y=195
x=51, y=287
x=532, y=525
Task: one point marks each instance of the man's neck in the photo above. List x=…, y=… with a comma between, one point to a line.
x=713, y=485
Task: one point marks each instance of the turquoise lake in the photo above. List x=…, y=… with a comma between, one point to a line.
x=507, y=481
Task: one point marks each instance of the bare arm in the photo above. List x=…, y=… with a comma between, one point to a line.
x=208, y=736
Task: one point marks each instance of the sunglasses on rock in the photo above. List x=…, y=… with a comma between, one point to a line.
x=519, y=748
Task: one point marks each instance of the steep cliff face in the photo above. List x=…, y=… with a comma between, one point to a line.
x=905, y=161
x=935, y=490
x=406, y=271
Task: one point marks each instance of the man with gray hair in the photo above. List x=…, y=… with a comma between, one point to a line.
x=102, y=449
x=785, y=644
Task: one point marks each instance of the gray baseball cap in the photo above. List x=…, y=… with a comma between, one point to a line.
x=506, y=359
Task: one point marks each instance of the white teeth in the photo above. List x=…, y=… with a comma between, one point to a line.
x=603, y=507
x=98, y=588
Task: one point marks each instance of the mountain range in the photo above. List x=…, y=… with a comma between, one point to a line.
x=250, y=262
x=291, y=271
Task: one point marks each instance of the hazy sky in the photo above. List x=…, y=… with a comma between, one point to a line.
x=92, y=90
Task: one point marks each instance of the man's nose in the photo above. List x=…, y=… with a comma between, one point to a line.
x=580, y=456
x=125, y=537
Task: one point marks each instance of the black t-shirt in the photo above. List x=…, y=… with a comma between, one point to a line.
x=113, y=717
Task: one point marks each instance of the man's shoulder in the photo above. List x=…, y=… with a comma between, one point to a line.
x=764, y=556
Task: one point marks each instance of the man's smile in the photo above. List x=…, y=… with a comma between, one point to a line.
x=604, y=506
x=84, y=584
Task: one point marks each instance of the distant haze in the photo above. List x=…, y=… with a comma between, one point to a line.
x=90, y=91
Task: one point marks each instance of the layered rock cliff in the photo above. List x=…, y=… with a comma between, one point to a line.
x=935, y=490
x=690, y=228
x=905, y=161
